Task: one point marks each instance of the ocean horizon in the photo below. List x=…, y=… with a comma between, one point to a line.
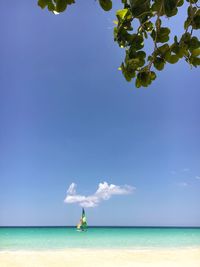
x=95, y=226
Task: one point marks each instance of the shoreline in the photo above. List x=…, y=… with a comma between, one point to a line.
x=132, y=249
x=178, y=257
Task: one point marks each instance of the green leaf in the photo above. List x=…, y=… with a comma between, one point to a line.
x=156, y=6
x=180, y=3
x=106, y=4
x=153, y=34
x=195, y=61
x=175, y=39
x=191, y=11
x=163, y=49
x=196, y=21
x=69, y=2
x=145, y=78
x=180, y=51
x=172, y=59
x=152, y=75
x=192, y=1
x=194, y=43
x=126, y=74
x=187, y=23
x=133, y=64
x=141, y=54
x=140, y=8
x=148, y=26
x=51, y=6
x=163, y=35
x=43, y=3
x=159, y=63
x=137, y=42
x=150, y=58
x=137, y=83
x=196, y=52
x=121, y=13
x=185, y=39
x=61, y=5
x=170, y=7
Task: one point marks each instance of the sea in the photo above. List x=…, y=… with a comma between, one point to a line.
x=59, y=238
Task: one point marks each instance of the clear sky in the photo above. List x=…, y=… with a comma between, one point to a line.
x=68, y=115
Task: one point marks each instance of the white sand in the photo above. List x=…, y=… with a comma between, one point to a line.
x=102, y=258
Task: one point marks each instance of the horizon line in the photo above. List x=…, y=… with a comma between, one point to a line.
x=97, y=226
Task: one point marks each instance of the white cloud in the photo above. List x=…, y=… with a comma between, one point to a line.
x=197, y=177
x=103, y=192
x=72, y=189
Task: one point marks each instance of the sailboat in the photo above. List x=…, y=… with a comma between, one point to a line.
x=82, y=225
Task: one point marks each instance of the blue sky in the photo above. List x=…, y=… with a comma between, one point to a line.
x=67, y=115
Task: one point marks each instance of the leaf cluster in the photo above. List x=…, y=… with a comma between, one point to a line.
x=149, y=16
x=139, y=20
x=55, y=6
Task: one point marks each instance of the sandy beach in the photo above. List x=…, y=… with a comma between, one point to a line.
x=102, y=258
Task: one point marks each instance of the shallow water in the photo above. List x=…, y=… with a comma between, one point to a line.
x=61, y=238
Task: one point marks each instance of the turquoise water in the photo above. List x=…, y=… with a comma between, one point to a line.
x=62, y=238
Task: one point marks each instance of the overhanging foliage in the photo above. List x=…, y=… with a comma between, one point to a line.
x=137, y=64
